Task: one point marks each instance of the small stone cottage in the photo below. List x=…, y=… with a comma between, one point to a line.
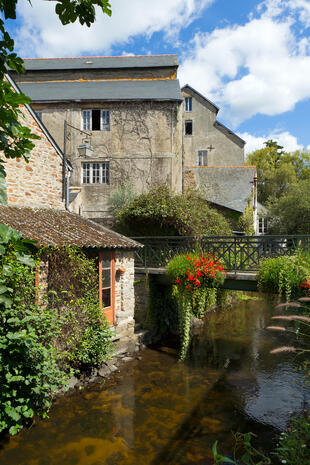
x=38, y=208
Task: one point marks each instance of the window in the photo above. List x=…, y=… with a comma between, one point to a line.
x=202, y=158
x=262, y=225
x=188, y=127
x=96, y=120
x=188, y=103
x=96, y=173
x=107, y=284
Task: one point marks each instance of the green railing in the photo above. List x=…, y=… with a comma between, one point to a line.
x=236, y=252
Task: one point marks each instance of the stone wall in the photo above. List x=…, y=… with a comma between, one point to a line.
x=228, y=149
x=143, y=147
x=124, y=302
x=39, y=182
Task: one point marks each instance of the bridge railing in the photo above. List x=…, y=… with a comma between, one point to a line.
x=236, y=252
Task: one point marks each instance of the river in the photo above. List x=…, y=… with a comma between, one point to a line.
x=156, y=411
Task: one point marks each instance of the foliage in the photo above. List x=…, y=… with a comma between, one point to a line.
x=160, y=212
x=120, y=198
x=16, y=140
x=294, y=443
x=28, y=361
x=85, y=337
x=278, y=170
x=196, y=279
x=244, y=453
x=284, y=275
x=245, y=222
x=290, y=214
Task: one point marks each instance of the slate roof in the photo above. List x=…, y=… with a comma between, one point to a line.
x=139, y=61
x=39, y=122
x=50, y=227
x=161, y=90
x=229, y=187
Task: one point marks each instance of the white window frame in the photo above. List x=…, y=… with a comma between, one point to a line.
x=202, y=157
x=188, y=104
x=103, y=173
x=262, y=225
x=86, y=123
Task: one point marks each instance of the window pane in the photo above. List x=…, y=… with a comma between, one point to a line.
x=106, y=298
x=105, y=172
x=188, y=103
x=188, y=128
x=86, y=120
x=96, y=173
x=202, y=158
x=106, y=259
x=105, y=120
x=86, y=173
x=106, y=278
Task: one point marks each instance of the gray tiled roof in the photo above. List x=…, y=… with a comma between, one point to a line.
x=50, y=227
x=103, y=90
x=147, y=61
x=229, y=187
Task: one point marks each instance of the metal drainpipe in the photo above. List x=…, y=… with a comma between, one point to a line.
x=255, y=203
x=67, y=188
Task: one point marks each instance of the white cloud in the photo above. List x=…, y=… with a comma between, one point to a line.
x=287, y=140
x=41, y=33
x=259, y=67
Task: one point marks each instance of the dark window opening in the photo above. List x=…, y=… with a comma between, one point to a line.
x=96, y=120
x=188, y=128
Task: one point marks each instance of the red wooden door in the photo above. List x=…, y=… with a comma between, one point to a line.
x=107, y=285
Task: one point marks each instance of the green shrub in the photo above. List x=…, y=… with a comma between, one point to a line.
x=162, y=213
x=294, y=443
x=284, y=275
x=28, y=362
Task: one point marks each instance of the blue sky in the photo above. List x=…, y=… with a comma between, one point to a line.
x=251, y=58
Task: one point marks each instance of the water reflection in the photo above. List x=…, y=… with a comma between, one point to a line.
x=157, y=411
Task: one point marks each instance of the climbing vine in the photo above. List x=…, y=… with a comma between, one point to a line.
x=196, y=278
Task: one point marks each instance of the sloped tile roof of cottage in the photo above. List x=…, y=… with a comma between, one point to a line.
x=161, y=90
x=138, y=61
x=49, y=227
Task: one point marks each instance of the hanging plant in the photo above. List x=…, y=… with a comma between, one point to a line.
x=195, y=279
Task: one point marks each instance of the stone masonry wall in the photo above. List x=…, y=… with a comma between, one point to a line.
x=39, y=182
x=124, y=302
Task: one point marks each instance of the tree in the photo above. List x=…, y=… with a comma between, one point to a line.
x=160, y=212
x=290, y=214
x=16, y=140
x=277, y=170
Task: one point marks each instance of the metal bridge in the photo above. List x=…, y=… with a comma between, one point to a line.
x=240, y=255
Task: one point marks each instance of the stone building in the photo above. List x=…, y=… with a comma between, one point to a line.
x=37, y=207
x=126, y=120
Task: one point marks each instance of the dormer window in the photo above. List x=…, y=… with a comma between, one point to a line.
x=96, y=120
x=188, y=104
